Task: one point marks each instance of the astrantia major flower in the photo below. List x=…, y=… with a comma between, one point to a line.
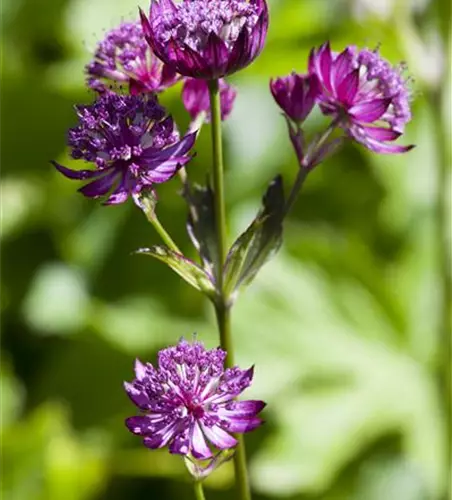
x=206, y=38
x=195, y=96
x=124, y=56
x=367, y=96
x=188, y=401
x=132, y=143
x=295, y=94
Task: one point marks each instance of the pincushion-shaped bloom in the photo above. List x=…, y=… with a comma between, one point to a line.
x=367, y=96
x=295, y=94
x=206, y=38
x=124, y=56
x=195, y=96
x=188, y=401
x=132, y=143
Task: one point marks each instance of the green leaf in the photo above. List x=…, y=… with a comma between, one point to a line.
x=193, y=274
x=259, y=242
x=201, y=224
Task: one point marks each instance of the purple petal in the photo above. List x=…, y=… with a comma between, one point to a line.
x=77, y=174
x=162, y=437
x=180, y=148
x=145, y=24
x=370, y=111
x=188, y=62
x=216, y=54
x=239, y=56
x=218, y=437
x=381, y=134
x=140, y=369
x=167, y=5
x=341, y=67
x=180, y=445
x=199, y=446
x=380, y=147
x=100, y=186
x=347, y=90
x=325, y=63
x=241, y=425
x=258, y=34
x=121, y=193
x=242, y=408
x=162, y=172
x=138, y=396
x=144, y=425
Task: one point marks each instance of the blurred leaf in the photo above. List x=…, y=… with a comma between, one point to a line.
x=259, y=242
x=320, y=429
x=57, y=300
x=12, y=395
x=185, y=268
x=44, y=460
x=201, y=224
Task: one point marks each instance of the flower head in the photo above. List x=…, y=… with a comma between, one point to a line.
x=195, y=96
x=369, y=97
x=131, y=142
x=295, y=94
x=188, y=401
x=124, y=56
x=206, y=38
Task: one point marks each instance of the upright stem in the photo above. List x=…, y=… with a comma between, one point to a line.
x=444, y=260
x=218, y=178
x=199, y=491
x=222, y=308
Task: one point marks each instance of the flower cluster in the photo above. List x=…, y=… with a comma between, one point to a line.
x=124, y=56
x=206, y=38
x=364, y=95
x=188, y=401
x=131, y=142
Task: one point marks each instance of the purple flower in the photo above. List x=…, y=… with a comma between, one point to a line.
x=131, y=142
x=367, y=95
x=295, y=94
x=195, y=96
x=124, y=56
x=188, y=402
x=206, y=38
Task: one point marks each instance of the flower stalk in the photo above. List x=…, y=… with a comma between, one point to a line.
x=163, y=233
x=199, y=491
x=222, y=308
x=317, y=151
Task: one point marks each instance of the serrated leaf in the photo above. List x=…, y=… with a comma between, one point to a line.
x=201, y=224
x=193, y=274
x=237, y=255
x=259, y=242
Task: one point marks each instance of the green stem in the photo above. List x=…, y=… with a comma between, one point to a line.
x=304, y=170
x=199, y=490
x=162, y=233
x=218, y=178
x=444, y=242
x=223, y=314
x=222, y=309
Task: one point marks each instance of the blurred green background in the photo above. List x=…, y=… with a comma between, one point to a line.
x=343, y=325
